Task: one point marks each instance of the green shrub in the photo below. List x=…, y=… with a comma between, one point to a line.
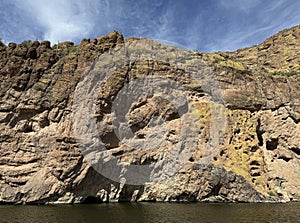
x=26, y=43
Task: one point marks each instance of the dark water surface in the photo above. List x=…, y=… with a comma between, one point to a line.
x=152, y=212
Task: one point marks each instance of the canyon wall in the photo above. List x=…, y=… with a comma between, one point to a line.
x=134, y=120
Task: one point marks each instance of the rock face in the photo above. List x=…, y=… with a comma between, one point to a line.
x=134, y=120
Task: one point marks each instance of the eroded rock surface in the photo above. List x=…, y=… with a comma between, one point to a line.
x=198, y=127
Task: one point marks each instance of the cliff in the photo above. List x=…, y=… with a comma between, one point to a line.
x=134, y=120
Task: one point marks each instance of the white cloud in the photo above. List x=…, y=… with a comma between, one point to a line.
x=67, y=19
x=268, y=18
x=215, y=26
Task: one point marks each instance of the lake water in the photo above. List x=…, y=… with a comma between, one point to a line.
x=152, y=212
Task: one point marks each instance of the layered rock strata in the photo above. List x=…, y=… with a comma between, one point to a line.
x=134, y=120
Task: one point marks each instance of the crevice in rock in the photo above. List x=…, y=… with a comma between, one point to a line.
x=69, y=140
x=147, y=161
x=277, y=107
x=286, y=159
x=92, y=200
x=170, y=114
x=118, y=153
x=191, y=159
x=255, y=174
x=22, y=115
x=259, y=133
x=296, y=121
x=186, y=196
x=128, y=191
x=110, y=139
x=141, y=135
x=296, y=150
x=253, y=149
x=222, y=152
x=254, y=163
x=214, y=191
x=5, y=138
x=272, y=144
x=27, y=128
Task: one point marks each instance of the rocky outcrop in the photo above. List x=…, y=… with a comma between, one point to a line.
x=134, y=120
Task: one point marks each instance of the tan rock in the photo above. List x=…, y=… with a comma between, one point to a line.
x=163, y=126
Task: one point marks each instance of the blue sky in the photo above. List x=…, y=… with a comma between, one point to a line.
x=204, y=25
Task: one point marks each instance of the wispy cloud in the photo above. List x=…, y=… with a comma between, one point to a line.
x=244, y=5
x=67, y=19
x=204, y=25
x=263, y=20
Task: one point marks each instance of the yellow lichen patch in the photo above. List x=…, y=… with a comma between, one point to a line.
x=142, y=68
x=213, y=58
x=194, y=85
x=240, y=152
x=237, y=161
x=208, y=114
x=201, y=111
x=233, y=64
x=44, y=81
x=220, y=61
x=210, y=120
